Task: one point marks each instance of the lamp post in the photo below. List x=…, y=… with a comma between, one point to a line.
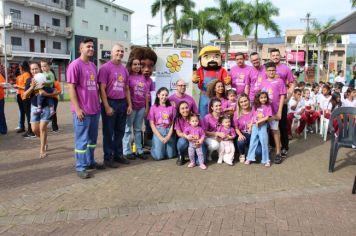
x=5, y=50
x=191, y=32
x=330, y=50
x=148, y=35
x=160, y=9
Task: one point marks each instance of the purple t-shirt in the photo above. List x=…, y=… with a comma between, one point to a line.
x=230, y=131
x=162, y=116
x=228, y=104
x=240, y=77
x=209, y=123
x=255, y=79
x=261, y=112
x=83, y=76
x=151, y=86
x=244, y=122
x=197, y=132
x=275, y=89
x=116, y=79
x=138, y=90
x=175, y=100
x=181, y=124
x=283, y=72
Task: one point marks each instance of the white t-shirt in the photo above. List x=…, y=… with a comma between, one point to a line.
x=293, y=102
x=348, y=103
x=340, y=79
x=323, y=102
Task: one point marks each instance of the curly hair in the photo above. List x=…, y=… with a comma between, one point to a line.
x=210, y=92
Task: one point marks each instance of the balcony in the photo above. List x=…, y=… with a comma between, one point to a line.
x=46, y=5
x=49, y=30
x=313, y=46
x=8, y=50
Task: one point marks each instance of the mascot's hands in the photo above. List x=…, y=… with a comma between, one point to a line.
x=227, y=80
x=195, y=78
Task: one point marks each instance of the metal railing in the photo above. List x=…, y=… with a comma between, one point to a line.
x=42, y=29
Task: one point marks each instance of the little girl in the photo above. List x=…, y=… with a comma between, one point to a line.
x=229, y=105
x=139, y=91
x=197, y=133
x=262, y=112
x=310, y=115
x=350, y=98
x=226, y=148
x=161, y=117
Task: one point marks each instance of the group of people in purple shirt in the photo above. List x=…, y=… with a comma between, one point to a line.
x=237, y=117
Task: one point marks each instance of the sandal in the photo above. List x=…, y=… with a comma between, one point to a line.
x=247, y=162
x=268, y=164
x=191, y=165
x=43, y=155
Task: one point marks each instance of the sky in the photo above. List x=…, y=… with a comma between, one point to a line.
x=290, y=12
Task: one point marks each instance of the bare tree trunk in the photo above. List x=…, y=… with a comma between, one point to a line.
x=227, y=42
x=175, y=32
x=256, y=35
x=199, y=45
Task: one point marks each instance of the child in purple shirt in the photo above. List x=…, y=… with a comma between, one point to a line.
x=161, y=117
x=198, y=134
x=276, y=89
x=261, y=113
x=226, y=148
x=229, y=105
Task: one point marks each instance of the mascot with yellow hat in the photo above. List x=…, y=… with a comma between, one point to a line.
x=210, y=69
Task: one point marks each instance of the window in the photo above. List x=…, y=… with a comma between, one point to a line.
x=101, y=46
x=125, y=17
x=16, y=41
x=106, y=9
x=81, y=3
x=115, y=30
x=56, y=22
x=106, y=28
x=56, y=45
x=55, y=1
x=85, y=24
x=16, y=14
x=126, y=34
x=101, y=27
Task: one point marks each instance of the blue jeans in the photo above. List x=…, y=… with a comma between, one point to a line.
x=182, y=148
x=85, y=137
x=114, y=128
x=259, y=134
x=21, y=123
x=243, y=144
x=160, y=151
x=3, y=126
x=135, y=119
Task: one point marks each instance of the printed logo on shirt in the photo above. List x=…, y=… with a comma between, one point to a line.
x=259, y=79
x=120, y=78
x=91, y=83
x=92, y=76
x=119, y=83
x=242, y=76
x=139, y=89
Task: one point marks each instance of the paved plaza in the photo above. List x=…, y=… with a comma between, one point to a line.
x=45, y=197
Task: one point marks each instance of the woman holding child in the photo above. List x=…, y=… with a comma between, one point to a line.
x=39, y=121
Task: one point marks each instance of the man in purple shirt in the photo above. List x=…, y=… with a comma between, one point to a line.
x=116, y=103
x=283, y=72
x=257, y=75
x=180, y=96
x=240, y=74
x=85, y=106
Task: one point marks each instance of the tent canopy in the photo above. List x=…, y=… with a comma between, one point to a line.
x=344, y=26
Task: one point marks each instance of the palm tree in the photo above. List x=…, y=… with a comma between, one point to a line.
x=260, y=13
x=353, y=2
x=313, y=34
x=170, y=13
x=227, y=13
x=202, y=22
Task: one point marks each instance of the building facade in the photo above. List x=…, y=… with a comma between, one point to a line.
x=37, y=29
x=105, y=22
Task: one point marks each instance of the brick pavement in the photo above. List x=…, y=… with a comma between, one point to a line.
x=157, y=198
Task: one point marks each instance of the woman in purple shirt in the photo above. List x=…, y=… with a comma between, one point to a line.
x=161, y=117
x=181, y=122
x=216, y=89
x=210, y=125
x=242, y=122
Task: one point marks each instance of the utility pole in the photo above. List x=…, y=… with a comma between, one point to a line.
x=308, y=20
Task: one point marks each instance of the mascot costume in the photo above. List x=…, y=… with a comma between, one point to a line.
x=210, y=69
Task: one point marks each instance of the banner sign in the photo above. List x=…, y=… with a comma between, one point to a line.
x=174, y=64
x=293, y=56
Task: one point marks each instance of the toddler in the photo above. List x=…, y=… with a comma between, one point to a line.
x=229, y=105
x=226, y=148
x=197, y=133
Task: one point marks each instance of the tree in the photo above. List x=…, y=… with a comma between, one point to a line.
x=170, y=13
x=260, y=13
x=202, y=22
x=312, y=36
x=353, y=2
x=226, y=13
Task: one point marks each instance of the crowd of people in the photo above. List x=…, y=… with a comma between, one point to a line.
x=243, y=120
